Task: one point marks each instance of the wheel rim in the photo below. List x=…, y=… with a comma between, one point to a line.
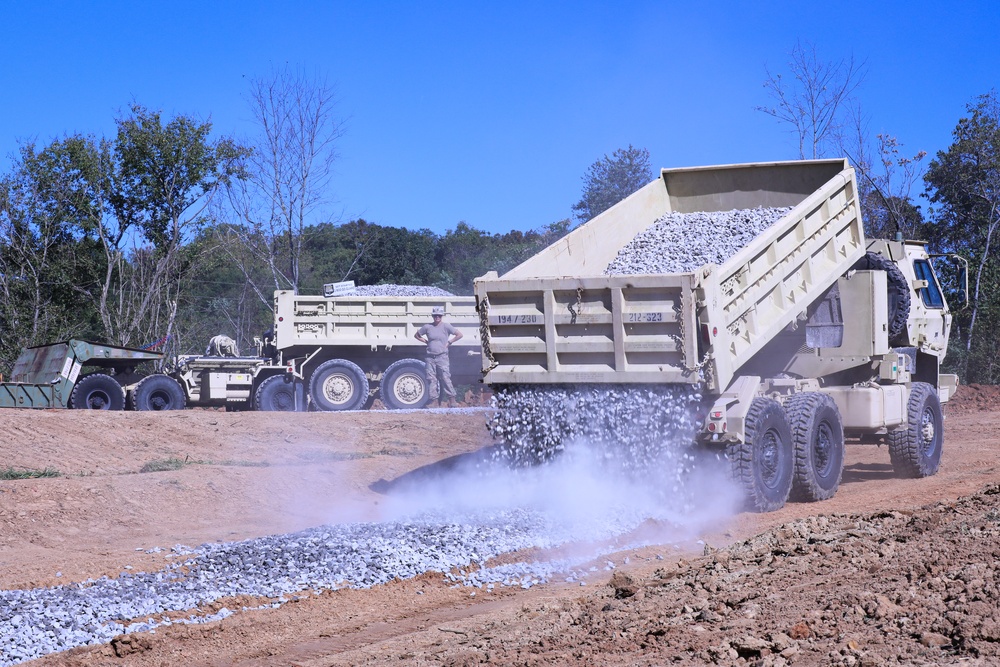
x=338, y=388
x=408, y=388
x=282, y=401
x=98, y=400
x=159, y=400
x=770, y=459
x=928, y=432
x=823, y=449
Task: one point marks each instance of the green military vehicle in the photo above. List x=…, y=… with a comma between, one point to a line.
x=89, y=376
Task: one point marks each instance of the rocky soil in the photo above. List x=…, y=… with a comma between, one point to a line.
x=890, y=571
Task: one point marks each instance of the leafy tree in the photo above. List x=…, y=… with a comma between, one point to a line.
x=160, y=179
x=43, y=259
x=612, y=179
x=964, y=185
x=466, y=253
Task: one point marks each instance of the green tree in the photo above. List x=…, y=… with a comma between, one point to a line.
x=160, y=180
x=964, y=187
x=611, y=179
x=43, y=258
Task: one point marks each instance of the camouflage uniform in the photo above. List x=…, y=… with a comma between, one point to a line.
x=438, y=336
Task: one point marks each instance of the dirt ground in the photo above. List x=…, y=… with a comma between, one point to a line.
x=888, y=571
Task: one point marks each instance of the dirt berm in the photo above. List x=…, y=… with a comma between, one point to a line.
x=890, y=571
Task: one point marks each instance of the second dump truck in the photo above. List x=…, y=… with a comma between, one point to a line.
x=808, y=335
x=335, y=352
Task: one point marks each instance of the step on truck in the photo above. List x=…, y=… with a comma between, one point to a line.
x=809, y=335
x=335, y=352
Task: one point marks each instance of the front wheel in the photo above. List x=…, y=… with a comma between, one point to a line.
x=338, y=384
x=763, y=465
x=404, y=385
x=97, y=392
x=276, y=394
x=915, y=449
x=157, y=392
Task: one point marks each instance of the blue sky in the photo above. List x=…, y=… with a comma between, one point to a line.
x=490, y=113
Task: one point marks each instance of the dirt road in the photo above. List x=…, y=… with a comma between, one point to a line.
x=888, y=570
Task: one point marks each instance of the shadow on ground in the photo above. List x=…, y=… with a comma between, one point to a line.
x=867, y=472
x=482, y=461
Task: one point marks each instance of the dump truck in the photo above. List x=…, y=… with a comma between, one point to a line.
x=807, y=336
x=83, y=375
x=334, y=352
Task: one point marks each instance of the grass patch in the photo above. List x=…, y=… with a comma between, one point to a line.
x=15, y=473
x=174, y=463
x=162, y=465
x=318, y=456
x=239, y=463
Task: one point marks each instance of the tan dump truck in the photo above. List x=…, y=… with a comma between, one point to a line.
x=336, y=352
x=808, y=335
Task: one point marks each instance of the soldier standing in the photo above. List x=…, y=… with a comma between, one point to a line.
x=438, y=336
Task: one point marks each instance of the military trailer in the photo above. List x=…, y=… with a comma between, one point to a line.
x=336, y=352
x=808, y=335
x=83, y=375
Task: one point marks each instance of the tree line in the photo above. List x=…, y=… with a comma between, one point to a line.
x=165, y=235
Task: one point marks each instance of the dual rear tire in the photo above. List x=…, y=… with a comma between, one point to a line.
x=792, y=451
x=339, y=384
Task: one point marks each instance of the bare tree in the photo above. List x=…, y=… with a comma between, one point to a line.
x=813, y=98
x=886, y=178
x=290, y=170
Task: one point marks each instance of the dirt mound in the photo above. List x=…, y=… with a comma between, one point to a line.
x=975, y=398
x=913, y=587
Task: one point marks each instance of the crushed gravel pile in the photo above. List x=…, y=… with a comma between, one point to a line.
x=37, y=622
x=681, y=242
x=397, y=290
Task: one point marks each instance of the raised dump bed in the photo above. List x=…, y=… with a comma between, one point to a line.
x=557, y=318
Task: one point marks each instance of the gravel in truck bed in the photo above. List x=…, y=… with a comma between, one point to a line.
x=398, y=290
x=682, y=242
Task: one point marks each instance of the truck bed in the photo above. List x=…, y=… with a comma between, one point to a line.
x=556, y=318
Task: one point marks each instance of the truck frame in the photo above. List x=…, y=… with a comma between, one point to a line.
x=808, y=335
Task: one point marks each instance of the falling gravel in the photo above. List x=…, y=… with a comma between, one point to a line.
x=636, y=428
x=681, y=242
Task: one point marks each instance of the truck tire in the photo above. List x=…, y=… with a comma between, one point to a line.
x=157, y=392
x=818, y=445
x=898, y=294
x=276, y=394
x=404, y=385
x=763, y=465
x=915, y=449
x=338, y=384
x=97, y=392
